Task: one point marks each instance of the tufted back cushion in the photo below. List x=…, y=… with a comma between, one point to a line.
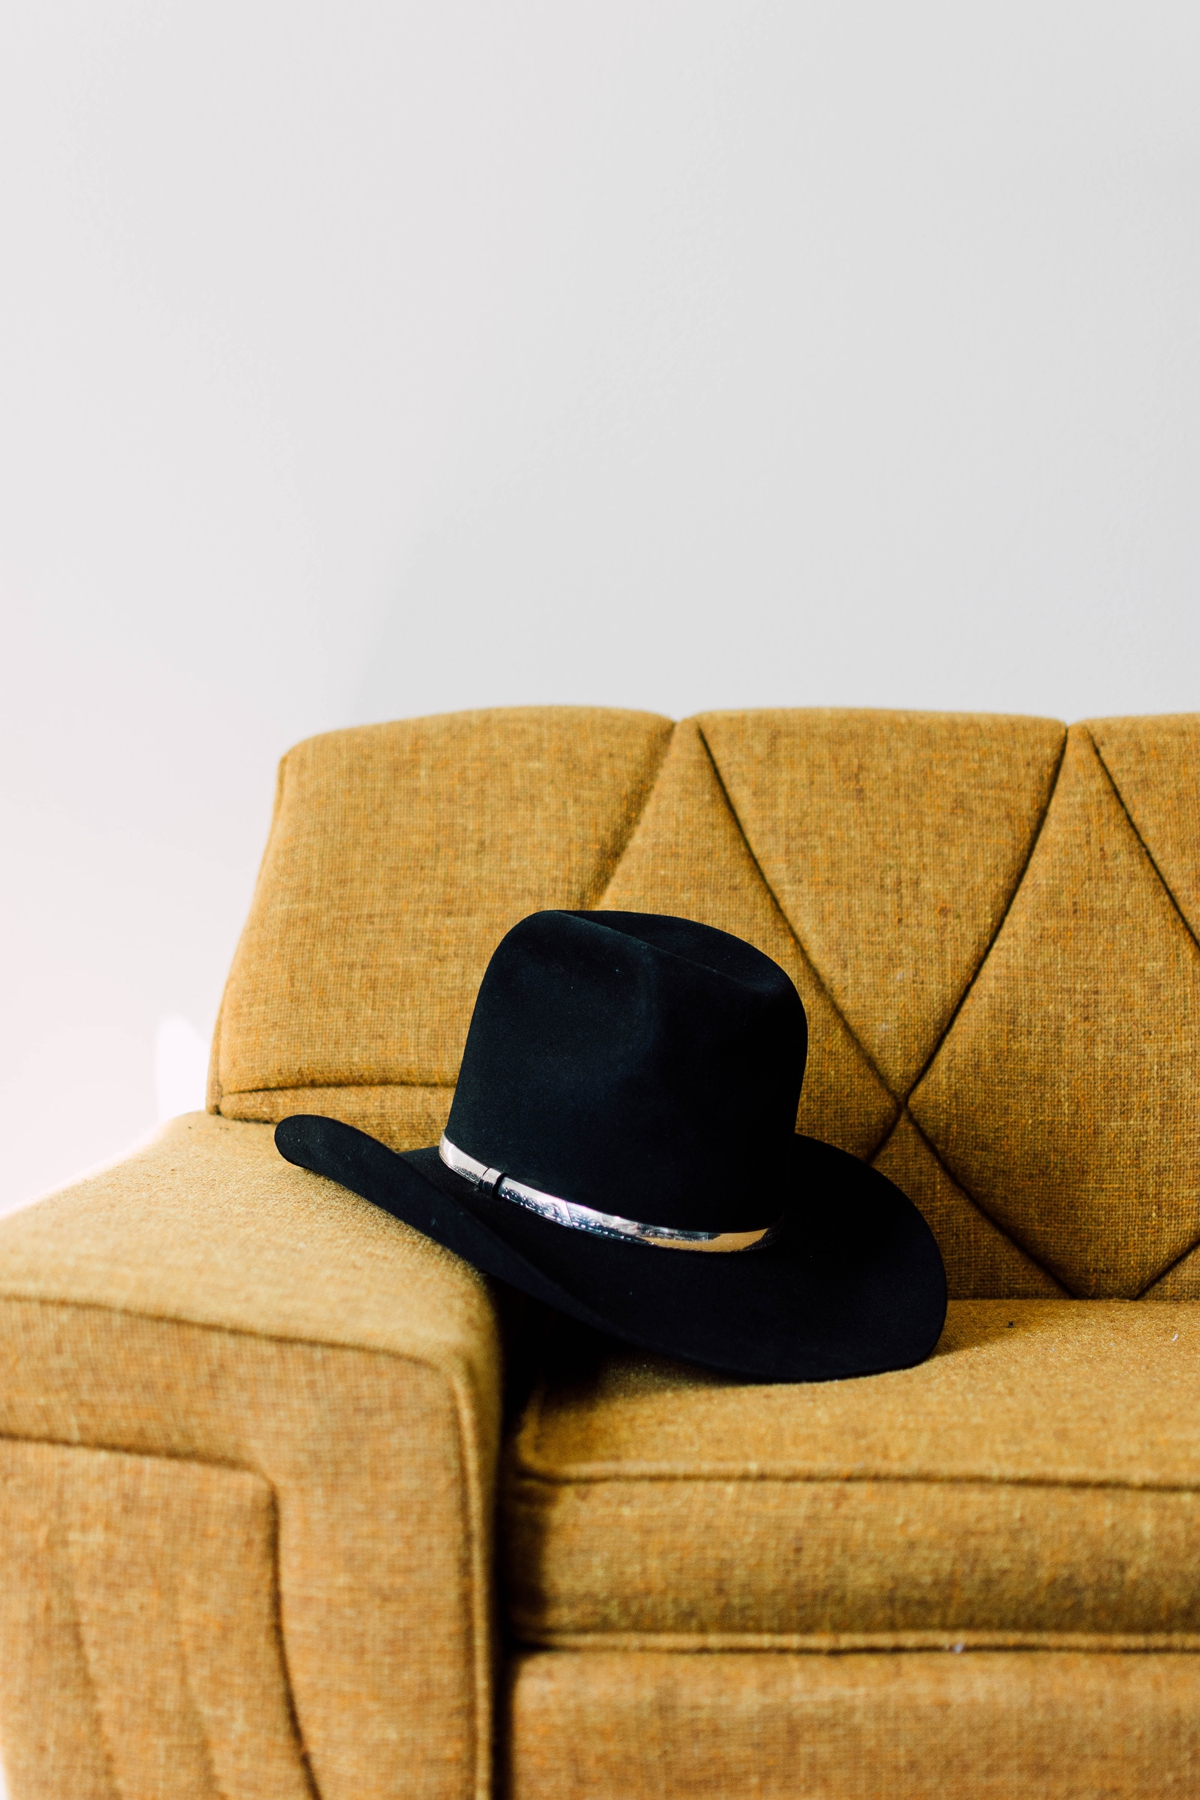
x=991, y=921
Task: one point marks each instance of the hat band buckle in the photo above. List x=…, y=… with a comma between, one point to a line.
x=587, y=1218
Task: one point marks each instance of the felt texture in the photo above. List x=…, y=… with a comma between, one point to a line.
x=649, y=1067
x=641, y=1065
x=1036, y=1481
x=851, y=1283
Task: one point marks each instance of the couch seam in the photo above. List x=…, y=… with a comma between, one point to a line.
x=84, y=1657
x=902, y=1100
x=281, y=1639
x=817, y=976
x=166, y=1456
x=1016, y=1243
x=1086, y=733
x=474, y=1510
x=1183, y=920
x=217, y=1092
x=314, y=1343
x=195, y=1462
x=479, y=1568
x=905, y=1114
x=597, y=900
x=1149, y=855
x=1144, y=1292
x=1018, y=884
x=852, y=1643
x=295, y=1087
x=847, y=1479
x=935, y=1051
x=480, y=1661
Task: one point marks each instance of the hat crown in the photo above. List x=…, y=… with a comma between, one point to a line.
x=635, y=1063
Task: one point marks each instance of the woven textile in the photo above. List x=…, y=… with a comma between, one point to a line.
x=249, y=1425
x=150, y=1614
x=304, y=1397
x=399, y=856
x=973, y=1727
x=982, y=1498
x=990, y=921
x=1079, y=1045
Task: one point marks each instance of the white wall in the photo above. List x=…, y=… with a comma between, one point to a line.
x=362, y=360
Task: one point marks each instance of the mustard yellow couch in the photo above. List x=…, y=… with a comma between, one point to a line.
x=267, y=1532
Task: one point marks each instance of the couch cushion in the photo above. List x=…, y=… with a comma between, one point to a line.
x=992, y=927
x=1037, y=1481
x=1064, y=1098
x=399, y=856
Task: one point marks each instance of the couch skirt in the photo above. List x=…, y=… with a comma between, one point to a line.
x=979, y=1725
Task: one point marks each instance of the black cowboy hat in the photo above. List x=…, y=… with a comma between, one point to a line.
x=622, y=1146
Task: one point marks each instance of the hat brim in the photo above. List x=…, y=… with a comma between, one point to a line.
x=851, y=1284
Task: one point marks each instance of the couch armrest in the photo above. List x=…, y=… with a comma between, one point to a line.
x=248, y=1435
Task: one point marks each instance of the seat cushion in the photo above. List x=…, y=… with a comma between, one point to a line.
x=1037, y=1481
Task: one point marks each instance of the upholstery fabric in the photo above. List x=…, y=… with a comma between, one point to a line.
x=399, y=856
x=979, y=1258
x=1079, y=1045
x=991, y=923
x=251, y=1429
x=688, y=856
x=150, y=1614
x=249, y=1425
x=1152, y=765
x=1037, y=1481
x=894, y=844
x=981, y=1726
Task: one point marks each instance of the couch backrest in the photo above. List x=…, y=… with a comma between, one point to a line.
x=991, y=921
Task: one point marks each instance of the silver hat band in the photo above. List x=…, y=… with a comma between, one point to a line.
x=586, y=1218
